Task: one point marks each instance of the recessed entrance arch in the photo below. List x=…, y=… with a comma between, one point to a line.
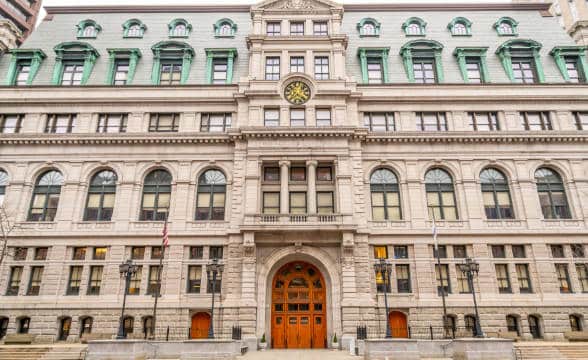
x=200, y=325
x=398, y=324
x=298, y=298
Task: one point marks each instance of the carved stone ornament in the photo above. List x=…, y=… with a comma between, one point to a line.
x=297, y=4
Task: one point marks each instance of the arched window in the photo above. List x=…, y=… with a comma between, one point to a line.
x=101, y=197
x=535, y=326
x=156, y=196
x=24, y=324
x=460, y=26
x=148, y=329
x=86, y=325
x=385, y=195
x=368, y=27
x=552, y=195
x=452, y=324
x=506, y=26
x=3, y=184
x=496, y=195
x=470, y=324
x=179, y=28
x=225, y=28
x=210, y=202
x=440, y=195
x=576, y=323
x=46, y=197
x=414, y=27
x=459, y=29
x=128, y=325
x=133, y=28
x=88, y=29
x=512, y=324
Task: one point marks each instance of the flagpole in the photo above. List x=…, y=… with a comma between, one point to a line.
x=445, y=332
x=159, y=271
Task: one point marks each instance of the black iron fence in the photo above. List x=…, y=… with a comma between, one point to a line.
x=174, y=333
x=364, y=332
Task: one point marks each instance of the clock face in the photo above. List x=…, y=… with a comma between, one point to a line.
x=297, y=92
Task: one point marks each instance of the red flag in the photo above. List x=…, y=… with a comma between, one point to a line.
x=165, y=235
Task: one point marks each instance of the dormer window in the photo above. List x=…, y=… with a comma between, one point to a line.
x=506, y=26
x=88, y=29
x=368, y=27
x=179, y=28
x=460, y=26
x=133, y=28
x=225, y=28
x=414, y=27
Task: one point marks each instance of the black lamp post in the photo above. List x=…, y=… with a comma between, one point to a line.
x=127, y=270
x=469, y=268
x=383, y=269
x=212, y=270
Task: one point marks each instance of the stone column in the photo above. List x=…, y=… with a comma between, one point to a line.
x=311, y=193
x=284, y=178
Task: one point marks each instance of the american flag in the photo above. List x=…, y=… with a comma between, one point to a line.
x=165, y=235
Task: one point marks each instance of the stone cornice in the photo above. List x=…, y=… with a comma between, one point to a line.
x=481, y=137
x=113, y=139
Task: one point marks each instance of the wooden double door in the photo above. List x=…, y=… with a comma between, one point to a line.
x=200, y=325
x=298, y=308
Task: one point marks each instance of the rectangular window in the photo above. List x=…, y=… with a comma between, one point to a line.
x=297, y=28
x=22, y=73
x=298, y=202
x=273, y=28
x=135, y=283
x=523, y=70
x=219, y=70
x=403, y=278
x=72, y=74
x=14, y=281
x=271, y=203
x=582, y=270
x=498, y=251
x=79, y=253
x=297, y=117
x=374, y=70
x=474, y=70
x=60, y=123
x=41, y=253
x=215, y=122
x=137, y=252
x=156, y=252
x=194, y=279
x=10, y=124
x=484, y=121
x=75, y=280
x=581, y=120
x=557, y=251
x=463, y=283
x=377, y=121
x=99, y=253
x=460, y=252
x=20, y=253
x=121, y=72
x=112, y=123
x=297, y=64
x=424, y=71
x=153, y=281
x=380, y=252
x=502, y=278
x=321, y=67
x=443, y=284
x=578, y=250
x=196, y=252
x=320, y=28
x=536, y=121
x=271, y=174
x=524, y=278
x=297, y=173
x=400, y=252
x=170, y=73
x=271, y=117
x=95, y=281
x=518, y=251
x=212, y=284
x=324, y=173
x=324, y=202
x=272, y=68
x=323, y=117
x=35, y=280
x=215, y=252
x=573, y=69
x=442, y=251
x=563, y=277
x=164, y=122
x=431, y=121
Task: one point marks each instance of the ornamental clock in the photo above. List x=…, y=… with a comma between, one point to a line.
x=297, y=92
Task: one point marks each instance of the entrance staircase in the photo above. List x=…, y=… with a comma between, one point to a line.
x=42, y=352
x=539, y=350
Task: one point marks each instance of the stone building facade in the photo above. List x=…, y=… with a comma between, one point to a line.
x=17, y=20
x=298, y=142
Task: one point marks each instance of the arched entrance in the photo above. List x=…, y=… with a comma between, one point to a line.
x=398, y=324
x=200, y=325
x=64, y=327
x=298, y=308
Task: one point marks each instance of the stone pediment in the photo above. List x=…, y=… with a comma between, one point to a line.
x=296, y=5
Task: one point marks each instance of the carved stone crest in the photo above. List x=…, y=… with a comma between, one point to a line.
x=297, y=4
